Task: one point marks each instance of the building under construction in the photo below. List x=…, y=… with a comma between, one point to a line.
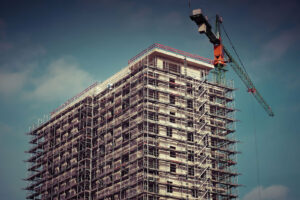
x=158, y=129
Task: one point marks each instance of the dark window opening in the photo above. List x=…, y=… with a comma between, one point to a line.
x=125, y=125
x=111, y=100
x=109, y=163
x=153, y=151
x=169, y=131
x=153, y=94
x=195, y=193
x=153, y=187
x=191, y=156
x=201, y=109
x=124, y=194
x=125, y=91
x=169, y=187
x=153, y=82
x=153, y=128
x=124, y=172
x=189, y=88
x=174, y=68
x=190, y=137
x=153, y=116
x=203, y=175
x=125, y=136
x=125, y=104
x=172, y=119
x=153, y=163
x=125, y=158
x=102, y=149
x=173, y=168
x=172, y=83
x=172, y=99
x=190, y=124
x=191, y=170
x=189, y=103
x=172, y=152
x=140, y=127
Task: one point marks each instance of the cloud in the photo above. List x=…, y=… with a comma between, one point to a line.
x=274, y=192
x=17, y=64
x=63, y=78
x=277, y=47
x=24, y=75
x=12, y=82
x=274, y=57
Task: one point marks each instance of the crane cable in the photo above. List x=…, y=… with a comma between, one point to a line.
x=232, y=46
x=256, y=151
x=254, y=122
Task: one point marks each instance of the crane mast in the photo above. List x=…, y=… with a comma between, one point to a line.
x=219, y=57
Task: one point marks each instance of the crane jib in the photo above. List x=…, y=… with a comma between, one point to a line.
x=205, y=28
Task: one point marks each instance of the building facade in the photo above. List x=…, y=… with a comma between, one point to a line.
x=158, y=129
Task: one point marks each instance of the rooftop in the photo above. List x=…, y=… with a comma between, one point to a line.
x=156, y=48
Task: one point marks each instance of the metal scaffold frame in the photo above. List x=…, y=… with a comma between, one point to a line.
x=159, y=131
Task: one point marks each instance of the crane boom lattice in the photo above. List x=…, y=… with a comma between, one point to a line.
x=219, y=62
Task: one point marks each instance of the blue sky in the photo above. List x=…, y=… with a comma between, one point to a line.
x=64, y=46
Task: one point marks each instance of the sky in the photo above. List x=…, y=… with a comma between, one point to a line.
x=52, y=50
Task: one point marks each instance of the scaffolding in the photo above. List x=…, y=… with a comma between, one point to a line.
x=160, y=131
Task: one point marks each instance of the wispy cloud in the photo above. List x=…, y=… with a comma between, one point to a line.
x=60, y=79
x=63, y=78
x=12, y=82
x=272, y=56
x=18, y=54
x=17, y=64
x=25, y=77
x=273, y=192
x=277, y=47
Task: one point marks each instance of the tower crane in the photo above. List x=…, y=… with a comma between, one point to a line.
x=219, y=56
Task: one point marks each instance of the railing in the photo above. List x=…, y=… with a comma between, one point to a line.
x=172, y=50
x=73, y=98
